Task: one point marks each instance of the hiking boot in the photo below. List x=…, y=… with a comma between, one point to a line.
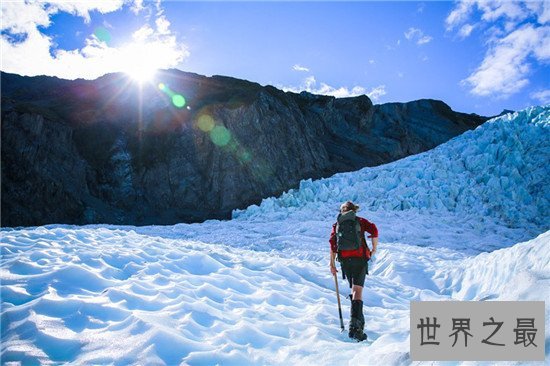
x=357, y=334
x=357, y=321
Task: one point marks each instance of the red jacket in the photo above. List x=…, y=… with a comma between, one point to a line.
x=366, y=226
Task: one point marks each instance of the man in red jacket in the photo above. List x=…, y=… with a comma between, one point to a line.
x=354, y=262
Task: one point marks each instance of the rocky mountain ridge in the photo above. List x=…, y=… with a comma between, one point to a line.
x=113, y=151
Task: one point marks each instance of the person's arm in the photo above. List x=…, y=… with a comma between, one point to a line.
x=333, y=247
x=333, y=269
x=374, y=245
x=370, y=228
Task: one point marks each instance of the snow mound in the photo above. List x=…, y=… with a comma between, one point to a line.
x=498, y=170
x=521, y=272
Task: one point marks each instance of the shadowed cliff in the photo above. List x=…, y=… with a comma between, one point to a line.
x=113, y=151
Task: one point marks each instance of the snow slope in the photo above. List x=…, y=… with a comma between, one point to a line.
x=498, y=172
x=257, y=290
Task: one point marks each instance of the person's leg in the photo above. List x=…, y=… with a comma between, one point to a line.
x=357, y=292
x=346, y=271
x=357, y=322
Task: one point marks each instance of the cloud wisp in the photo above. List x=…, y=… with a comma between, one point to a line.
x=27, y=51
x=518, y=39
x=418, y=36
x=543, y=96
x=466, y=30
x=311, y=85
x=298, y=67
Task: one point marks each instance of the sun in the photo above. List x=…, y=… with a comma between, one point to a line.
x=140, y=62
x=141, y=73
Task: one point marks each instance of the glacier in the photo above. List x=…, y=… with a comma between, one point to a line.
x=468, y=220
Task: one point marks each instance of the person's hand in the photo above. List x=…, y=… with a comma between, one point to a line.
x=333, y=269
x=372, y=252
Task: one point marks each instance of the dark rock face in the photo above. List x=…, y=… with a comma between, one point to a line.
x=111, y=151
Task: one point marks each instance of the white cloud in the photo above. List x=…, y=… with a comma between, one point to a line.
x=300, y=68
x=543, y=96
x=311, y=85
x=83, y=8
x=415, y=34
x=23, y=17
x=377, y=92
x=459, y=14
x=517, y=38
x=512, y=12
x=163, y=25
x=424, y=40
x=37, y=55
x=492, y=10
x=137, y=6
x=143, y=33
x=372, y=62
x=541, y=9
x=541, y=50
x=466, y=30
x=504, y=70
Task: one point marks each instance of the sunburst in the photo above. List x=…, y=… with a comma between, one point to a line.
x=139, y=62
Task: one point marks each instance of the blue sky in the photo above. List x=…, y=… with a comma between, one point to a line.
x=477, y=56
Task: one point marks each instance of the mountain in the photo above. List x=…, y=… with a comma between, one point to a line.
x=189, y=147
x=257, y=290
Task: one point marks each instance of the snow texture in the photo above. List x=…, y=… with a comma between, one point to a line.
x=465, y=221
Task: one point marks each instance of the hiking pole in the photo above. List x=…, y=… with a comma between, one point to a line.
x=339, y=305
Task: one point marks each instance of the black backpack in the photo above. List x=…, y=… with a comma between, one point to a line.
x=348, y=231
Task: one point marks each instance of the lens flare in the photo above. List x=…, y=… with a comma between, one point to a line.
x=178, y=100
x=233, y=146
x=229, y=144
x=220, y=135
x=245, y=156
x=103, y=35
x=206, y=123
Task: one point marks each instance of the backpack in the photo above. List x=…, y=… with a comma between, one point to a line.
x=348, y=232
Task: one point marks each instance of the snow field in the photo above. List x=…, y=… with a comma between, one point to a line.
x=103, y=296
x=106, y=296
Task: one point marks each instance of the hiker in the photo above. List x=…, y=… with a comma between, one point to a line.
x=347, y=240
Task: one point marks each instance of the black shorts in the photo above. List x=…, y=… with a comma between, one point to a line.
x=355, y=270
